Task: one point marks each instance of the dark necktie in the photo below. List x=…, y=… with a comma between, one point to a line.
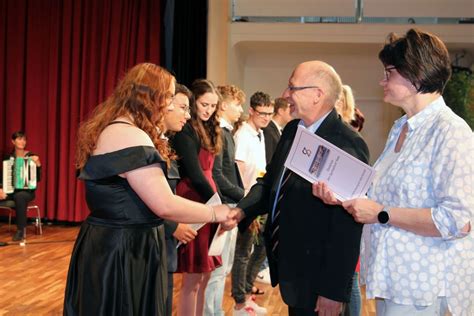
x=275, y=229
x=259, y=136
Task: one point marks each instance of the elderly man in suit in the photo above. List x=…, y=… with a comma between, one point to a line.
x=312, y=247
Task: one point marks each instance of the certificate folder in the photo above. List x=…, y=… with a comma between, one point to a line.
x=315, y=159
x=213, y=201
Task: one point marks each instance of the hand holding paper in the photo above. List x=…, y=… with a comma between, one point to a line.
x=184, y=233
x=363, y=210
x=322, y=191
x=215, y=200
x=315, y=159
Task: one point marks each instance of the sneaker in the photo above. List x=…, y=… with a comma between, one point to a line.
x=257, y=308
x=245, y=311
x=18, y=236
x=264, y=276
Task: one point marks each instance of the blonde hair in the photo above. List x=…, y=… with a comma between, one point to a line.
x=140, y=95
x=231, y=92
x=345, y=106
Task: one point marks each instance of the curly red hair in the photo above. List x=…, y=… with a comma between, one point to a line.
x=140, y=95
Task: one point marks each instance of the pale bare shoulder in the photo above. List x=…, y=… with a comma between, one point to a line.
x=119, y=136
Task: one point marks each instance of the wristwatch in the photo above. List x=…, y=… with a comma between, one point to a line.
x=384, y=215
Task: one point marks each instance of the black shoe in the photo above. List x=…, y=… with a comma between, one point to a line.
x=18, y=236
x=2, y=244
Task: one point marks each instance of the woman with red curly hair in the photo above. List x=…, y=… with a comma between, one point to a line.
x=118, y=265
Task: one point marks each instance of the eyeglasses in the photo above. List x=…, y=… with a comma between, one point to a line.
x=185, y=108
x=263, y=114
x=293, y=88
x=387, y=71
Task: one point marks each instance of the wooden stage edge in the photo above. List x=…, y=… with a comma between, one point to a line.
x=33, y=276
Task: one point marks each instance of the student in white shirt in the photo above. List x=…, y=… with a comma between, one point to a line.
x=250, y=158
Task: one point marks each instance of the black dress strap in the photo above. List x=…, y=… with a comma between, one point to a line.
x=119, y=122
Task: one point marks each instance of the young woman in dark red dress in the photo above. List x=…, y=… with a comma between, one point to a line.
x=196, y=146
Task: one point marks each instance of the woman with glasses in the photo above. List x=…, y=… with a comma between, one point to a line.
x=118, y=263
x=174, y=120
x=196, y=146
x=420, y=251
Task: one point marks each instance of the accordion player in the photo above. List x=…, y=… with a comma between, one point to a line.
x=21, y=170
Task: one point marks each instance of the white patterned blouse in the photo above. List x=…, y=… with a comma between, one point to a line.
x=434, y=169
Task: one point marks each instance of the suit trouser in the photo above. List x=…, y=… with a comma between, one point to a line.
x=246, y=263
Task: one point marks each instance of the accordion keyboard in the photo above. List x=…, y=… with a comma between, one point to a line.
x=7, y=180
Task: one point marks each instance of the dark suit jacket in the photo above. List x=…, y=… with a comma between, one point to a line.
x=272, y=136
x=319, y=243
x=225, y=172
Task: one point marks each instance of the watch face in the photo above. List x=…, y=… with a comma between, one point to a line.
x=383, y=217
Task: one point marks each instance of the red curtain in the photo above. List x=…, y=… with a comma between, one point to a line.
x=58, y=60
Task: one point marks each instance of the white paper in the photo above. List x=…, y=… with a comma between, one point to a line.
x=218, y=242
x=213, y=201
x=315, y=159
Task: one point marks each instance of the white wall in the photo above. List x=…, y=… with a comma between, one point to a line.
x=268, y=67
x=261, y=56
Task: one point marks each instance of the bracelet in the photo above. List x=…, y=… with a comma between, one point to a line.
x=213, y=214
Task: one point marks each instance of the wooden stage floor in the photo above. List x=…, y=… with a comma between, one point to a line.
x=33, y=277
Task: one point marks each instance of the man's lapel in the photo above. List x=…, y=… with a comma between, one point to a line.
x=327, y=127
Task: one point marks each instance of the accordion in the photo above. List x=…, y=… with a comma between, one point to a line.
x=19, y=173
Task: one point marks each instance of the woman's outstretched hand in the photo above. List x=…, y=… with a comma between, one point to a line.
x=226, y=216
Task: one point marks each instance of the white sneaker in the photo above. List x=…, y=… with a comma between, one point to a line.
x=264, y=276
x=258, y=309
x=244, y=311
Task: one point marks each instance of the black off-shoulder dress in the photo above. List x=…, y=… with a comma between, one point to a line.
x=118, y=265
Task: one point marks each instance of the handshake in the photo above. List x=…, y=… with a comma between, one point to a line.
x=228, y=216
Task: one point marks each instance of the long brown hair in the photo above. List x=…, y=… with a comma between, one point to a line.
x=209, y=132
x=140, y=95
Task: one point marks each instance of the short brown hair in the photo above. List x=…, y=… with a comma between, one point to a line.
x=18, y=134
x=181, y=88
x=420, y=57
x=260, y=98
x=279, y=103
